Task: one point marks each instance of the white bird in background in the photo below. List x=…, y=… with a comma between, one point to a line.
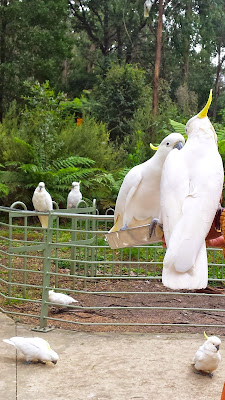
x=191, y=186
x=60, y=298
x=147, y=8
x=42, y=201
x=207, y=357
x=34, y=349
x=74, y=196
x=138, y=201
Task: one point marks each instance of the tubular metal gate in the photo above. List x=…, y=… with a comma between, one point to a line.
x=113, y=287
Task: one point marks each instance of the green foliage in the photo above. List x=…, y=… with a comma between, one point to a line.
x=34, y=44
x=45, y=144
x=117, y=97
x=178, y=127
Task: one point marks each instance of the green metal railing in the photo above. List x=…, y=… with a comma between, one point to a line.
x=73, y=256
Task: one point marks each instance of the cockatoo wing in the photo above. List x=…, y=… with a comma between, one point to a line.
x=199, y=355
x=126, y=192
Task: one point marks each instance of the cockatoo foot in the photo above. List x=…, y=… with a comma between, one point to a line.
x=154, y=223
x=124, y=227
x=204, y=373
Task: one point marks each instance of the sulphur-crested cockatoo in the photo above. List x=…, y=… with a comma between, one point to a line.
x=74, y=196
x=207, y=357
x=191, y=186
x=34, y=349
x=60, y=298
x=147, y=8
x=138, y=201
x=42, y=201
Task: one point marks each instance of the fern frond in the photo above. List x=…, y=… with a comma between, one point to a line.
x=178, y=127
x=73, y=161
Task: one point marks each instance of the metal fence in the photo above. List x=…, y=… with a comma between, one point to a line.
x=113, y=287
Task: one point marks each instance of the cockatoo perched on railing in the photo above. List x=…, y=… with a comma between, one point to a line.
x=138, y=200
x=42, y=201
x=207, y=357
x=74, y=196
x=191, y=187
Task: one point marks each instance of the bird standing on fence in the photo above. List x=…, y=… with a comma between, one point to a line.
x=34, y=349
x=138, y=201
x=74, y=196
x=191, y=187
x=42, y=201
x=60, y=298
x=207, y=357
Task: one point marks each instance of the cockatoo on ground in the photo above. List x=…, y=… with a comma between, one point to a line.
x=138, y=201
x=74, y=196
x=60, y=298
x=191, y=187
x=147, y=8
x=42, y=201
x=34, y=349
x=207, y=357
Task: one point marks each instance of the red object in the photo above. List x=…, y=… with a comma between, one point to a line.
x=223, y=393
x=79, y=121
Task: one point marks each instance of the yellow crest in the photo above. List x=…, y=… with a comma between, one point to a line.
x=204, y=111
x=153, y=147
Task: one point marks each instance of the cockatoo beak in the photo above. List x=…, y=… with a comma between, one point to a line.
x=153, y=147
x=178, y=145
x=54, y=362
x=204, y=111
x=217, y=347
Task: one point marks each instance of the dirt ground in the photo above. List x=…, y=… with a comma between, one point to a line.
x=146, y=293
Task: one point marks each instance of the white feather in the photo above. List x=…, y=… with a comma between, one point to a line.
x=34, y=348
x=60, y=298
x=191, y=186
x=207, y=357
x=138, y=201
x=147, y=8
x=74, y=196
x=42, y=201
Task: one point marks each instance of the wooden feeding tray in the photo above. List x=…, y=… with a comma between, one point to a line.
x=131, y=237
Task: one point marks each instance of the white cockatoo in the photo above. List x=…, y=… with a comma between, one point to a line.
x=74, y=196
x=34, y=349
x=191, y=187
x=207, y=357
x=147, y=8
x=138, y=201
x=42, y=201
x=60, y=298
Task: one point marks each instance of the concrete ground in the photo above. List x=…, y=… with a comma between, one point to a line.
x=107, y=366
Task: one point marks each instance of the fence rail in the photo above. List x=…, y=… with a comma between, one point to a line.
x=119, y=287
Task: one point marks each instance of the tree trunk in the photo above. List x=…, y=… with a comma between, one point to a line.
x=3, y=4
x=157, y=59
x=188, y=15
x=218, y=70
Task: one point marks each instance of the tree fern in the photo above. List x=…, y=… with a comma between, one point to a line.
x=178, y=127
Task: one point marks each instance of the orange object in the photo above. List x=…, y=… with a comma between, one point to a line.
x=223, y=393
x=79, y=121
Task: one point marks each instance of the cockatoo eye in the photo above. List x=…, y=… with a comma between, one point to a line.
x=167, y=143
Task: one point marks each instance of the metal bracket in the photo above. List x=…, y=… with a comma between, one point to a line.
x=43, y=330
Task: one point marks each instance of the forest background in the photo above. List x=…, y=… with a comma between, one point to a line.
x=86, y=85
